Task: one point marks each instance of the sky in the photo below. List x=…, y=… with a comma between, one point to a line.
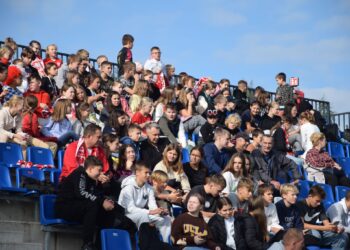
x=234, y=39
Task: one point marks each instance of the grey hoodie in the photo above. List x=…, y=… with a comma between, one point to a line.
x=134, y=198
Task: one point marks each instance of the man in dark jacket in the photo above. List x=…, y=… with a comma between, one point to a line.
x=152, y=148
x=80, y=199
x=270, y=167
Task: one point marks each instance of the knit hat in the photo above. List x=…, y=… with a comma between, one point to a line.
x=12, y=73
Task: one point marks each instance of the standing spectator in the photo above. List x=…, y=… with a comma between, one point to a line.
x=37, y=61
x=156, y=66
x=51, y=56
x=125, y=54
x=240, y=93
x=284, y=92
x=307, y=128
x=71, y=65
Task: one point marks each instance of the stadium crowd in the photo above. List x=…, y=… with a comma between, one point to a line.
x=125, y=138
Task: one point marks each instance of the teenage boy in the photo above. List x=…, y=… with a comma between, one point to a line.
x=293, y=239
x=284, y=92
x=105, y=76
x=215, y=154
x=240, y=94
x=125, y=54
x=273, y=223
x=133, y=138
x=27, y=55
x=220, y=103
x=240, y=199
x=210, y=192
x=171, y=126
x=71, y=65
x=80, y=199
x=137, y=198
x=288, y=213
x=340, y=213
x=127, y=78
x=317, y=222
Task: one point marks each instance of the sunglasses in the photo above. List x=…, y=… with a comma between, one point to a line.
x=211, y=112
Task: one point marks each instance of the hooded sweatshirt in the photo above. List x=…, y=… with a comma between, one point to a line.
x=134, y=198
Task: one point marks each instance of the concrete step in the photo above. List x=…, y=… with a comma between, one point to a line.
x=11, y=237
x=19, y=208
x=20, y=246
x=20, y=231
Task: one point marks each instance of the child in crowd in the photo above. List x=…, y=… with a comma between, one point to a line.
x=190, y=229
x=118, y=87
x=233, y=172
x=241, y=198
x=205, y=98
x=140, y=90
x=284, y=92
x=112, y=103
x=126, y=166
x=72, y=77
x=37, y=62
x=233, y=124
x=257, y=135
x=172, y=166
x=125, y=54
x=240, y=94
x=11, y=83
x=166, y=97
x=127, y=78
x=59, y=126
x=220, y=103
x=95, y=97
x=143, y=116
x=117, y=124
x=82, y=114
x=6, y=53
x=251, y=118
x=207, y=130
x=72, y=64
x=133, y=138
x=48, y=83
x=51, y=56
x=105, y=75
x=138, y=199
x=222, y=225
x=3, y=76
x=68, y=93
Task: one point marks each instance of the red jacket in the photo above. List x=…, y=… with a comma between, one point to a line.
x=42, y=97
x=70, y=163
x=30, y=125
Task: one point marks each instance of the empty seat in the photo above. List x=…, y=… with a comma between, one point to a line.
x=335, y=149
x=10, y=154
x=340, y=192
x=115, y=239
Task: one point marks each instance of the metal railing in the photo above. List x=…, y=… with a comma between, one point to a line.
x=342, y=119
x=322, y=106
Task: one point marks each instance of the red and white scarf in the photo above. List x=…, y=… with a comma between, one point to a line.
x=82, y=152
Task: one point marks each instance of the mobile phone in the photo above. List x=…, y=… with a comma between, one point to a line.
x=336, y=223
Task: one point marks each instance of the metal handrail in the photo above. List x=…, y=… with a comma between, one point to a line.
x=322, y=106
x=342, y=119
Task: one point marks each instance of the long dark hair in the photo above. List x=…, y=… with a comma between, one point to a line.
x=109, y=106
x=122, y=158
x=113, y=122
x=256, y=209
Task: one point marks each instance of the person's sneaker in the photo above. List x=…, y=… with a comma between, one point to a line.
x=88, y=246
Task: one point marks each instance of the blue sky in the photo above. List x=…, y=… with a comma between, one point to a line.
x=251, y=40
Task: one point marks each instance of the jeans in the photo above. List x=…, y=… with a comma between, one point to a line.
x=328, y=238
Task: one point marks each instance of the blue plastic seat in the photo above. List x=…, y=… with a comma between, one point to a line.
x=344, y=162
x=39, y=155
x=47, y=211
x=328, y=190
x=185, y=155
x=347, y=147
x=195, y=137
x=304, y=189
x=115, y=239
x=60, y=155
x=335, y=149
x=32, y=173
x=10, y=154
x=177, y=210
x=340, y=192
x=5, y=181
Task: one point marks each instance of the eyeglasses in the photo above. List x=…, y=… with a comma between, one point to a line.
x=213, y=112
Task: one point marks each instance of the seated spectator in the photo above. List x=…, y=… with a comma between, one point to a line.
x=51, y=56
x=240, y=94
x=257, y=135
x=233, y=172
x=153, y=90
x=271, y=167
x=43, y=109
x=205, y=98
x=172, y=127
x=269, y=120
x=273, y=223
x=215, y=154
x=94, y=95
x=77, y=151
x=210, y=192
x=152, y=149
x=72, y=78
x=105, y=75
x=111, y=149
x=169, y=75
x=117, y=124
x=30, y=126
x=80, y=200
x=171, y=165
x=27, y=70
x=241, y=142
x=11, y=84
x=140, y=91
x=293, y=239
x=71, y=65
x=253, y=225
x=233, y=124
x=112, y=103
x=190, y=229
x=186, y=109
x=220, y=103
x=339, y=213
x=144, y=115
x=48, y=83
x=82, y=113
x=307, y=128
x=166, y=97
x=207, y=130
x=222, y=225
x=264, y=99
x=293, y=136
x=37, y=61
x=195, y=170
x=138, y=200
x=127, y=160
x=231, y=105
x=58, y=125
x=241, y=198
x=251, y=118
x=68, y=93
x=133, y=138
x=321, y=167
x=317, y=223
x=80, y=96
x=6, y=54
x=118, y=87
x=288, y=213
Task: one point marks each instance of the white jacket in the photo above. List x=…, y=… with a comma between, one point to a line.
x=134, y=198
x=306, y=130
x=338, y=212
x=272, y=217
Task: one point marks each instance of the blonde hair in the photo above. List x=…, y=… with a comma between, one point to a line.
x=141, y=88
x=47, y=49
x=6, y=50
x=145, y=101
x=285, y=188
x=235, y=119
x=307, y=115
x=159, y=176
x=316, y=138
x=15, y=100
x=60, y=110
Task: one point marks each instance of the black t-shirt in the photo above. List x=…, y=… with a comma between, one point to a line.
x=311, y=215
x=195, y=177
x=267, y=122
x=210, y=202
x=246, y=117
